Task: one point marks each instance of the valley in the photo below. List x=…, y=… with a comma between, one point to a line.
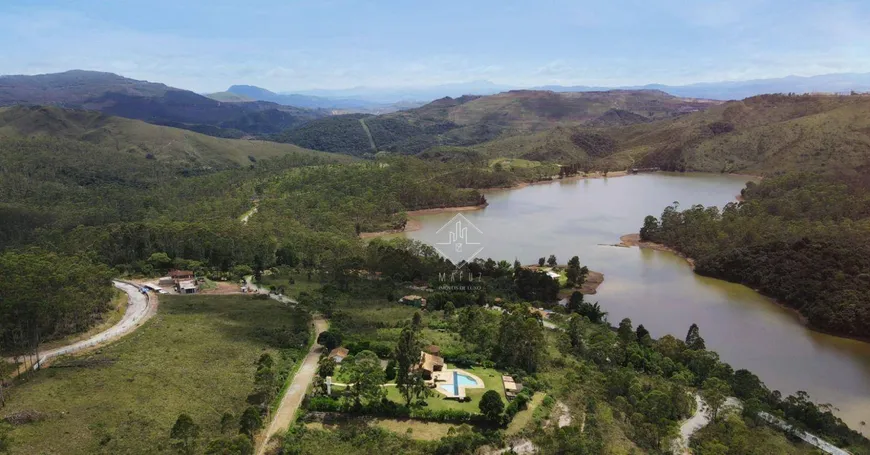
x=293, y=201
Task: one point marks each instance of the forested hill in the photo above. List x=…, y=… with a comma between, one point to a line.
x=802, y=239
x=61, y=168
x=134, y=140
x=470, y=120
x=760, y=135
x=154, y=103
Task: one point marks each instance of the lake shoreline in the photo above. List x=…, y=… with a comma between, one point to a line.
x=633, y=240
x=416, y=225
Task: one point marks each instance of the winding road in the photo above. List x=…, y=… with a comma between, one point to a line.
x=296, y=392
x=140, y=308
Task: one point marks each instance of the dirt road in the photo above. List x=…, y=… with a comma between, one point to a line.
x=293, y=397
x=139, y=309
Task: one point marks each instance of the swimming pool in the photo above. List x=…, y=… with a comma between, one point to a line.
x=459, y=380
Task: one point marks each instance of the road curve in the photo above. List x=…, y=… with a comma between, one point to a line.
x=293, y=397
x=140, y=308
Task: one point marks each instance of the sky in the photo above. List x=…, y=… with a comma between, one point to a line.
x=289, y=45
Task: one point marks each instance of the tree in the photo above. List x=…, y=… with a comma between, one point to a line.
x=328, y=339
x=326, y=367
x=643, y=336
x=184, y=435
x=250, y=422
x=417, y=321
x=390, y=370
x=694, y=340
x=491, y=405
x=366, y=376
x=575, y=275
x=592, y=311
x=160, y=261
x=541, y=262
x=626, y=331
x=575, y=333
x=575, y=301
x=449, y=309
x=650, y=228
x=520, y=339
x=408, y=351
x=551, y=261
x=240, y=445
x=715, y=391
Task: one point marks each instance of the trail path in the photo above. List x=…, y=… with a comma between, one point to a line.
x=293, y=397
x=369, y=135
x=140, y=308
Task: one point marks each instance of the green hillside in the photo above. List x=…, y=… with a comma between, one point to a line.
x=471, y=120
x=139, y=140
x=760, y=135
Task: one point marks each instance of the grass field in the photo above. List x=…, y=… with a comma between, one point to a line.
x=301, y=283
x=196, y=356
x=513, y=163
x=522, y=419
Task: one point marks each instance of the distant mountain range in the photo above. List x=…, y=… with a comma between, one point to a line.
x=152, y=102
x=737, y=90
x=340, y=104
x=384, y=100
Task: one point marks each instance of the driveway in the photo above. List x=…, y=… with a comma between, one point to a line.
x=139, y=309
x=286, y=412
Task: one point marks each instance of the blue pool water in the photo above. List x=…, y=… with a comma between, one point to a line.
x=459, y=379
x=463, y=379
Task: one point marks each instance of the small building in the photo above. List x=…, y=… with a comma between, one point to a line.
x=430, y=364
x=433, y=349
x=553, y=275
x=186, y=287
x=338, y=354
x=413, y=300
x=166, y=281
x=511, y=388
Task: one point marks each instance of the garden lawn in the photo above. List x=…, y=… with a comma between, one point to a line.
x=491, y=379
x=196, y=356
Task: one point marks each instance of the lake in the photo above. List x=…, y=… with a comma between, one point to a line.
x=657, y=289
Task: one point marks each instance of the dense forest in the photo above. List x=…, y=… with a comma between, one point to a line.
x=111, y=203
x=801, y=239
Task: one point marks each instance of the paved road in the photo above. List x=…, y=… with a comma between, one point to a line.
x=139, y=309
x=293, y=397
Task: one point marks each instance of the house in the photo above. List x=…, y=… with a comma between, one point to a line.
x=553, y=275
x=413, y=300
x=511, y=388
x=338, y=354
x=179, y=275
x=430, y=364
